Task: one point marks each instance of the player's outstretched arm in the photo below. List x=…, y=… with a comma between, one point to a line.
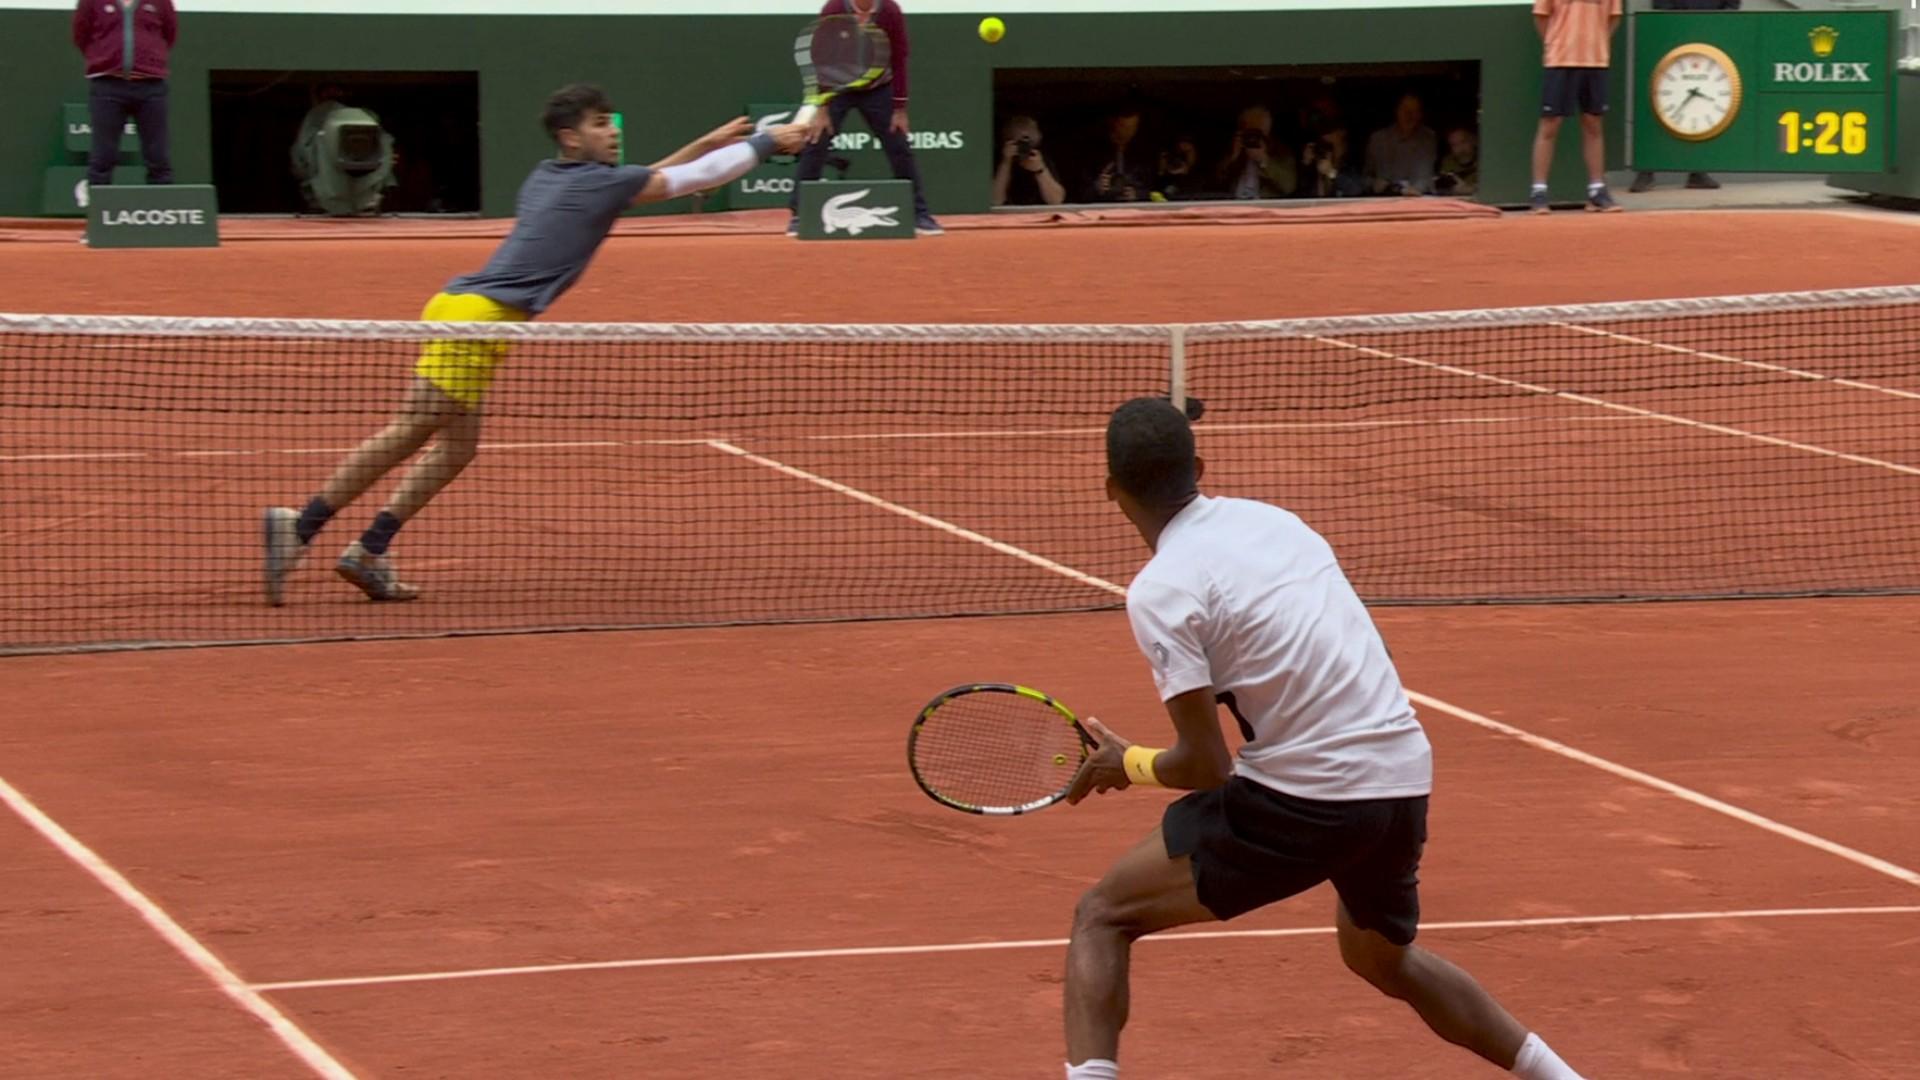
x=717, y=168
x=726, y=134
x=1198, y=760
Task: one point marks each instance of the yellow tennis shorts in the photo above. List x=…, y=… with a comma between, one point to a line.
x=463, y=369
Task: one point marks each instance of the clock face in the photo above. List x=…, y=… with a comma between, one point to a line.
x=1696, y=92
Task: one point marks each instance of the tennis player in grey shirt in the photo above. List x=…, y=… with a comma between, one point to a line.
x=566, y=208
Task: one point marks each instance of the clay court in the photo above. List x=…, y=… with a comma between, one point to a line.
x=1676, y=838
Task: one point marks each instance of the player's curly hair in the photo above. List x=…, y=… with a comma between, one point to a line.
x=568, y=107
x=1150, y=452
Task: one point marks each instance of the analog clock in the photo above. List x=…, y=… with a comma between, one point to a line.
x=1696, y=92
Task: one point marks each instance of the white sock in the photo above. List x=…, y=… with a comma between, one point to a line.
x=1539, y=188
x=1537, y=1061
x=1094, y=1069
x=1594, y=186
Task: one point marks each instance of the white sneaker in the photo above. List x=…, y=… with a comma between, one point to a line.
x=280, y=537
x=374, y=574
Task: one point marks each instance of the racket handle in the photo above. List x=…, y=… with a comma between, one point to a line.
x=806, y=114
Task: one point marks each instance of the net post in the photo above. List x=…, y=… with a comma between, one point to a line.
x=1177, y=391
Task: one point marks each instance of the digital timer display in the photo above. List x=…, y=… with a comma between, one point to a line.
x=1824, y=133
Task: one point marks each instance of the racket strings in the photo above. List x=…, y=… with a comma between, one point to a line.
x=841, y=54
x=990, y=750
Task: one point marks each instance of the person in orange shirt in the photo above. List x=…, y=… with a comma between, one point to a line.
x=1578, y=36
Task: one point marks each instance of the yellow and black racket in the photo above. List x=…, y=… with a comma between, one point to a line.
x=837, y=54
x=991, y=748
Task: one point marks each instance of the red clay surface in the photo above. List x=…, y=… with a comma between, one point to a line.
x=363, y=810
x=1184, y=274
x=347, y=811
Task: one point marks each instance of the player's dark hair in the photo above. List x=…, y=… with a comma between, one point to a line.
x=1150, y=452
x=569, y=106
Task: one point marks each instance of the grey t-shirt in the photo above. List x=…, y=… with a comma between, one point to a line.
x=565, y=210
x=1403, y=159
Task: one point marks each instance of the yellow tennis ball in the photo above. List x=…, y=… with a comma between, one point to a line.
x=992, y=29
x=1059, y=759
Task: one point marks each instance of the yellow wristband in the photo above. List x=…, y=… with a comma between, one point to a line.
x=1139, y=764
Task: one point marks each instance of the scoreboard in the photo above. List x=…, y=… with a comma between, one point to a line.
x=1764, y=91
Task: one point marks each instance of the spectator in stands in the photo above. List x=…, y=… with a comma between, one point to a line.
x=1327, y=164
x=126, y=44
x=1120, y=170
x=1459, y=174
x=1401, y=156
x=1257, y=166
x=1179, y=178
x=1644, y=181
x=1320, y=115
x=1024, y=176
x=1578, y=37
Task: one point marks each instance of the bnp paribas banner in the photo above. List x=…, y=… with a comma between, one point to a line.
x=854, y=154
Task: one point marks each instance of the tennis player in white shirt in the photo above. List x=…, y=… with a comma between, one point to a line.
x=1244, y=605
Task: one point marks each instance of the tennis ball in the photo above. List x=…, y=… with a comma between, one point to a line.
x=992, y=29
x=1059, y=759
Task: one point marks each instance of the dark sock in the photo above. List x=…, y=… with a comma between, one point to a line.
x=313, y=519
x=380, y=533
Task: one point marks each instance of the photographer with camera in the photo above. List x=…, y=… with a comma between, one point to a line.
x=1257, y=166
x=1119, y=171
x=1024, y=176
x=1179, y=172
x=1401, y=156
x=1460, y=170
x=1327, y=166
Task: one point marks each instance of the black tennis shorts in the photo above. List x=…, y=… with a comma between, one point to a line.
x=1566, y=91
x=1252, y=846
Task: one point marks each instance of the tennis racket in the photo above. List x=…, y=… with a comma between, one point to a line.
x=836, y=54
x=991, y=748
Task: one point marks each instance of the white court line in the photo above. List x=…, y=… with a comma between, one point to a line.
x=551, y=445
x=1758, y=365
x=928, y=520
x=290, y=1035
x=1632, y=410
x=1205, y=429
x=1859, y=858
x=111, y=455
x=885, y=436
x=1707, y=802
x=1058, y=943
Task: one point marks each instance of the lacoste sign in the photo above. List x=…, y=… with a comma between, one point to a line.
x=843, y=213
x=153, y=218
x=134, y=215
x=864, y=210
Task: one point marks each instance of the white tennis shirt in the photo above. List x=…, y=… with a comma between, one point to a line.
x=1246, y=598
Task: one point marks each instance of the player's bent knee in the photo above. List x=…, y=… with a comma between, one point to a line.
x=1374, y=959
x=1100, y=912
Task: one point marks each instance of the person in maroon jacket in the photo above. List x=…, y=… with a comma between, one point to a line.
x=884, y=106
x=126, y=43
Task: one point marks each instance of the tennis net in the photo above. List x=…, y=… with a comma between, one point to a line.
x=652, y=475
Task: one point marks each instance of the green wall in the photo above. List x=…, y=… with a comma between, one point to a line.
x=1904, y=181
x=675, y=76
